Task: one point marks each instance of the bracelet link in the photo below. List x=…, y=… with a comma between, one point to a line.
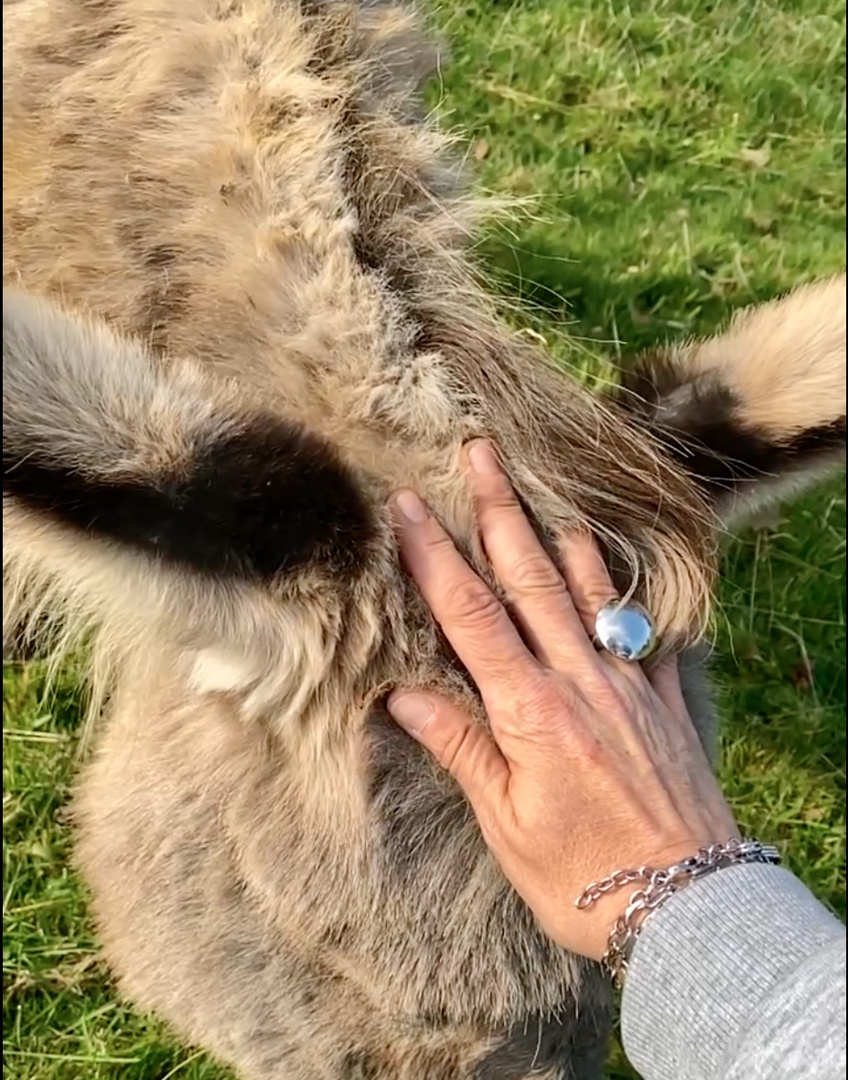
x=659, y=885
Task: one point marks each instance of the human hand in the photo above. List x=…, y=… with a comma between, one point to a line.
x=591, y=765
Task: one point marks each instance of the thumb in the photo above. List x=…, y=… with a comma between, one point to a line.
x=458, y=743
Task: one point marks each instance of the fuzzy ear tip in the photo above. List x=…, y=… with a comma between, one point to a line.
x=694, y=403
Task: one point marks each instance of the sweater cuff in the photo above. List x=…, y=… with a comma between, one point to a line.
x=707, y=957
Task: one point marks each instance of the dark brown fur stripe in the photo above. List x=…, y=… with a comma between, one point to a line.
x=265, y=500
x=700, y=423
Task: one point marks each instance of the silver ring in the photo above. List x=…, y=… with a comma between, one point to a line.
x=625, y=631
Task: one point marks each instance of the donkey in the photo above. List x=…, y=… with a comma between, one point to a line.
x=239, y=310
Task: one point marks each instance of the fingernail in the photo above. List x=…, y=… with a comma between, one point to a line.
x=483, y=459
x=411, y=507
x=412, y=711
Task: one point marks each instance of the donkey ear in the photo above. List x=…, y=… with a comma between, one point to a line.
x=757, y=412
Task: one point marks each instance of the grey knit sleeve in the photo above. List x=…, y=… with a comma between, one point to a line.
x=739, y=977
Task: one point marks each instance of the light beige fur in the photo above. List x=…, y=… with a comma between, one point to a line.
x=785, y=359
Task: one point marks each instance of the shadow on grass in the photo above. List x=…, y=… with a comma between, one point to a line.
x=638, y=308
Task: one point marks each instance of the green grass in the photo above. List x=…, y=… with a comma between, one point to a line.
x=681, y=159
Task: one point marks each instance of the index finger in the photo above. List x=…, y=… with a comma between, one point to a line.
x=471, y=616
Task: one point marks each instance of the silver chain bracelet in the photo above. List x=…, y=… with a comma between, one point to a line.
x=659, y=886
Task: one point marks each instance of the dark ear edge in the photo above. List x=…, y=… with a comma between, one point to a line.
x=699, y=421
x=232, y=492
x=265, y=499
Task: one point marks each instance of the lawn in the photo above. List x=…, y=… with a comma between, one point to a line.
x=677, y=160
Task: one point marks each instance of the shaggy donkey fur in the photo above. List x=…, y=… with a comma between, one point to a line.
x=243, y=313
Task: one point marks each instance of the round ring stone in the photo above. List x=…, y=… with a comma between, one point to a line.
x=625, y=631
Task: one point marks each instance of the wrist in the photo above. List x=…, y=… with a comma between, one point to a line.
x=657, y=886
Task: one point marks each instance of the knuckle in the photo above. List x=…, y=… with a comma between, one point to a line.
x=498, y=499
x=457, y=751
x=473, y=605
x=438, y=543
x=596, y=594
x=535, y=573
